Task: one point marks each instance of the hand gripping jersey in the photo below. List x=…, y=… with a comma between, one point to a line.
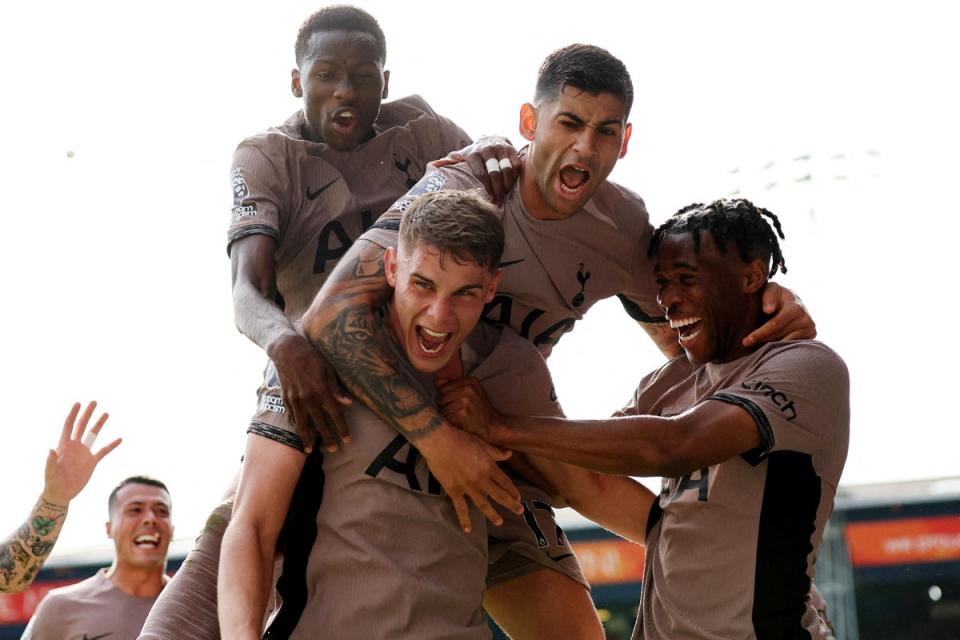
x=384, y=556
x=555, y=270
x=93, y=608
x=315, y=201
x=731, y=547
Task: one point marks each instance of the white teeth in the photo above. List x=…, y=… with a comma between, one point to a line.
x=155, y=538
x=426, y=349
x=691, y=336
x=676, y=324
x=436, y=335
x=567, y=189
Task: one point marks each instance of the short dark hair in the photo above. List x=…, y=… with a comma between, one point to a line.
x=336, y=17
x=147, y=480
x=738, y=221
x=457, y=222
x=587, y=68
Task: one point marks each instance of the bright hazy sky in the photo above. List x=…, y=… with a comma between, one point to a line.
x=116, y=281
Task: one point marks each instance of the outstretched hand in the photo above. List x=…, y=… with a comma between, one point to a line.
x=790, y=321
x=70, y=466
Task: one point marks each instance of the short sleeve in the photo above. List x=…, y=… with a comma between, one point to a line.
x=260, y=190
x=437, y=136
x=43, y=623
x=456, y=177
x=271, y=420
x=798, y=395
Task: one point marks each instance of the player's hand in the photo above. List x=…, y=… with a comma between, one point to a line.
x=311, y=393
x=70, y=466
x=493, y=160
x=790, y=320
x=465, y=404
x=466, y=467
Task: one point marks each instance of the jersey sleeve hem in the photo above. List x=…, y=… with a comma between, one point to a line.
x=251, y=230
x=277, y=435
x=767, y=439
x=634, y=311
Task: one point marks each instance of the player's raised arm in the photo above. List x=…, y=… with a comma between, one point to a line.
x=67, y=472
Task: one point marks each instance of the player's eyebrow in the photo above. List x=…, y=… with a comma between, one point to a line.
x=680, y=264
x=579, y=120
x=466, y=287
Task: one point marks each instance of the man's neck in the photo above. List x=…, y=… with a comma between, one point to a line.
x=754, y=319
x=453, y=370
x=142, y=582
x=530, y=194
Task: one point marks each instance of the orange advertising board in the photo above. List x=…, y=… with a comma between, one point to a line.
x=908, y=541
x=17, y=608
x=610, y=561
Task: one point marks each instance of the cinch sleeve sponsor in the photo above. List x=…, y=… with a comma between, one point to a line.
x=798, y=394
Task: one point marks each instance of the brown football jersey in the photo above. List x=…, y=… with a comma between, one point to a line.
x=555, y=270
x=384, y=555
x=731, y=547
x=94, y=608
x=315, y=201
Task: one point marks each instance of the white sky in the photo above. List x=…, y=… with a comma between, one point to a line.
x=116, y=283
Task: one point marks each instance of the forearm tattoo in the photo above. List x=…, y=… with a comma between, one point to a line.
x=354, y=340
x=23, y=553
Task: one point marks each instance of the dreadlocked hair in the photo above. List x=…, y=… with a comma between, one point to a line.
x=737, y=221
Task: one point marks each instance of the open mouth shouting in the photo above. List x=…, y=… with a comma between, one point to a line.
x=431, y=342
x=344, y=119
x=573, y=179
x=687, y=328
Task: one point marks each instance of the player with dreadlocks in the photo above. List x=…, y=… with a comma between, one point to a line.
x=750, y=442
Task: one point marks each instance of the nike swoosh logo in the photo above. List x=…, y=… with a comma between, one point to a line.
x=510, y=262
x=311, y=195
x=102, y=635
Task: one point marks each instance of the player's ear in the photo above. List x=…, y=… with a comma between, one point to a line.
x=754, y=276
x=492, y=287
x=627, y=130
x=528, y=121
x=386, y=84
x=295, y=87
x=109, y=529
x=390, y=265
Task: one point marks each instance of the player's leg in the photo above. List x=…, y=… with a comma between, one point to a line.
x=535, y=588
x=187, y=606
x=544, y=605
